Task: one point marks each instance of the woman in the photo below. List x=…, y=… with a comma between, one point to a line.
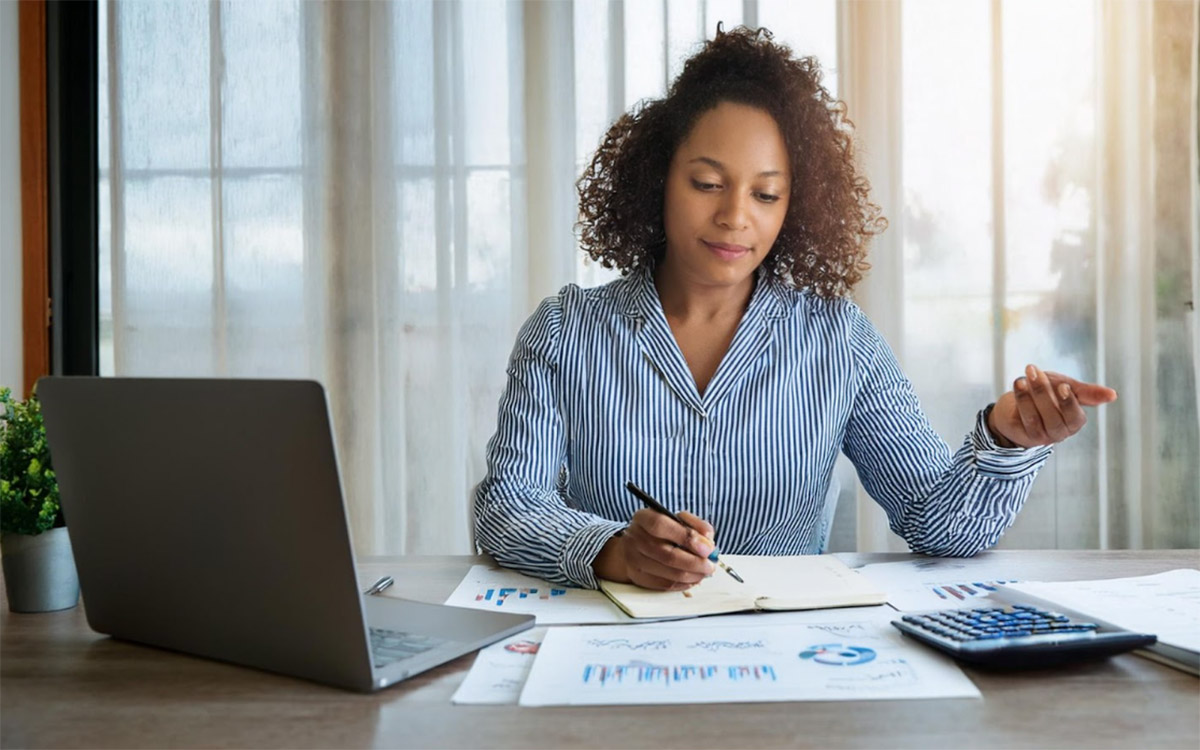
x=726, y=368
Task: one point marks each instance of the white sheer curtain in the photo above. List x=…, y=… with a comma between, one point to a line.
x=1049, y=190
x=326, y=190
x=375, y=195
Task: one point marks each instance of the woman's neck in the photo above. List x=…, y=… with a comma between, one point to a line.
x=685, y=301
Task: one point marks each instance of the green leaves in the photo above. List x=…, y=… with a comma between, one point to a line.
x=28, y=490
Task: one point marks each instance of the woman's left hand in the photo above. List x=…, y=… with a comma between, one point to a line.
x=1044, y=408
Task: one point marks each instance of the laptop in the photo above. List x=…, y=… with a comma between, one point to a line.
x=206, y=517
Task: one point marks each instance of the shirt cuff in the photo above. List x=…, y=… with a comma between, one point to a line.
x=992, y=460
x=582, y=548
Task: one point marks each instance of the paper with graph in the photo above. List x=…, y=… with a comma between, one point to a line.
x=1165, y=604
x=495, y=588
x=669, y=663
x=499, y=671
x=925, y=584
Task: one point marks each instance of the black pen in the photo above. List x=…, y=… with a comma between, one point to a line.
x=653, y=504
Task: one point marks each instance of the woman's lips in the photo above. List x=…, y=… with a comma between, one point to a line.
x=725, y=251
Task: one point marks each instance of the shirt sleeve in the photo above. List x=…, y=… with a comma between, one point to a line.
x=521, y=516
x=941, y=504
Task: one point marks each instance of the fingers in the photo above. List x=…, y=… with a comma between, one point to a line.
x=1030, y=419
x=1088, y=394
x=1050, y=412
x=1069, y=409
x=704, y=528
x=695, y=538
x=1046, y=402
x=651, y=572
x=662, y=554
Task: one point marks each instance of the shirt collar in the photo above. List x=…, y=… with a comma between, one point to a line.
x=770, y=297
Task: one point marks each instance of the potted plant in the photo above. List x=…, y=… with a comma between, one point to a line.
x=39, y=569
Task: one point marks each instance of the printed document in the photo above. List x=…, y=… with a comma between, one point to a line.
x=833, y=660
x=935, y=583
x=1166, y=604
x=491, y=587
x=499, y=671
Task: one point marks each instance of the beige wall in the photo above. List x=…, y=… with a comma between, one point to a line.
x=10, y=202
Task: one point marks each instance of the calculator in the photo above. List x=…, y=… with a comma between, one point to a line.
x=1016, y=637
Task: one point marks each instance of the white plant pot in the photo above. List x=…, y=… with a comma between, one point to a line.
x=39, y=571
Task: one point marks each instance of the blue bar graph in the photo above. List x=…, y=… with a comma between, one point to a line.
x=678, y=674
x=500, y=595
x=964, y=591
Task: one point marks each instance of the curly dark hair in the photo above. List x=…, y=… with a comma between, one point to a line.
x=830, y=219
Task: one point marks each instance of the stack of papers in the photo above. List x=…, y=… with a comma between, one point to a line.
x=825, y=654
x=1166, y=604
x=819, y=655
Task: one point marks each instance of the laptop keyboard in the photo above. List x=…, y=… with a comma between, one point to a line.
x=391, y=646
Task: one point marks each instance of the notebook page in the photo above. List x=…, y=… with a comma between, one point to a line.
x=805, y=582
x=772, y=582
x=714, y=595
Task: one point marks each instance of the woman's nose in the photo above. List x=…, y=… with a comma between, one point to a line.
x=732, y=211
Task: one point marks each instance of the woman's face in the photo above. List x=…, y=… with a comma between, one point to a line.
x=726, y=197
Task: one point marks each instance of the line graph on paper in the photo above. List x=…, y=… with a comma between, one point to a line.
x=666, y=675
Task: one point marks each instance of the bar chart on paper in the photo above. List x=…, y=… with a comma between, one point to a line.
x=493, y=588
x=960, y=592
x=658, y=664
x=665, y=675
x=936, y=583
x=499, y=596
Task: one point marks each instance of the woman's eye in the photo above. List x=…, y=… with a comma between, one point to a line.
x=767, y=197
x=705, y=186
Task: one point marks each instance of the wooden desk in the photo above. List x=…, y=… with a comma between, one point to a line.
x=61, y=685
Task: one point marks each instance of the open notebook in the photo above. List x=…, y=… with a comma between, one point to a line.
x=772, y=583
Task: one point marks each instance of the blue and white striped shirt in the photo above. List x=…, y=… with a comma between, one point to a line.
x=599, y=394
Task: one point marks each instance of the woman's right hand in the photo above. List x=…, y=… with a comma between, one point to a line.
x=655, y=552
